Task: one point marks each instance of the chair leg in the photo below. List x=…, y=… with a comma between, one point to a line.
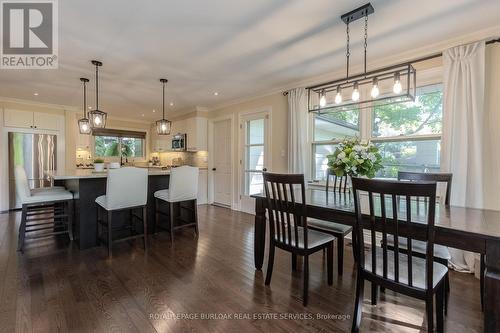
x=270, y=263
x=329, y=263
x=340, y=255
x=70, y=219
x=306, y=280
x=196, y=217
x=22, y=229
x=374, y=293
x=110, y=234
x=446, y=292
x=441, y=292
x=358, y=303
x=97, y=226
x=482, y=268
x=429, y=309
x=294, y=262
x=172, y=217
x=157, y=207
x=145, y=228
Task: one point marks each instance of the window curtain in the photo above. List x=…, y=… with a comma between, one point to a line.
x=297, y=131
x=463, y=127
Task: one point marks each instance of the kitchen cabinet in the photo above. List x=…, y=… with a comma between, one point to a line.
x=34, y=120
x=159, y=143
x=203, y=187
x=197, y=132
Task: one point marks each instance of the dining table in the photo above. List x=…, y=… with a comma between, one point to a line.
x=469, y=229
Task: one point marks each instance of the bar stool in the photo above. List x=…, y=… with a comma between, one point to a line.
x=45, y=211
x=183, y=186
x=126, y=189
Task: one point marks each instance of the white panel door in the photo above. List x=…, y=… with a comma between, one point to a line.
x=222, y=172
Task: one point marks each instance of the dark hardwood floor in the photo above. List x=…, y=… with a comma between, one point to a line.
x=55, y=287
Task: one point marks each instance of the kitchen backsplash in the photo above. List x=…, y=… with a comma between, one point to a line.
x=198, y=159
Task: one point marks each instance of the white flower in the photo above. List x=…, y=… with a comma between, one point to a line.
x=372, y=157
x=341, y=155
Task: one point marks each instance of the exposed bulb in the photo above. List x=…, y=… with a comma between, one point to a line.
x=355, y=93
x=164, y=127
x=85, y=127
x=322, y=100
x=397, y=88
x=97, y=120
x=375, y=90
x=338, y=98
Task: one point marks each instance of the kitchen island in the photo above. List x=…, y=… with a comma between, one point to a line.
x=86, y=186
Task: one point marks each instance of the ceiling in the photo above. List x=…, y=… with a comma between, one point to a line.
x=239, y=49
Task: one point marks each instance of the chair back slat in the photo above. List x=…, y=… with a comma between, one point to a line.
x=287, y=216
x=379, y=210
x=439, y=177
x=341, y=187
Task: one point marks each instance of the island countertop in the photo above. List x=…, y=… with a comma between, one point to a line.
x=86, y=173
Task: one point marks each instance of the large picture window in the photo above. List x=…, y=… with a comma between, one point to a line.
x=407, y=134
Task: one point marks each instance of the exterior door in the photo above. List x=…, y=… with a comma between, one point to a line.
x=222, y=162
x=255, y=156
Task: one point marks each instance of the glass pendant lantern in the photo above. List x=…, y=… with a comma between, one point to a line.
x=84, y=123
x=97, y=117
x=163, y=126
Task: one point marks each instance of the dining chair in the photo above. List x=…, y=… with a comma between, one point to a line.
x=45, y=211
x=289, y=226
x=377, y=210
x=183, y=187
x=338, y=230
x=126, y=190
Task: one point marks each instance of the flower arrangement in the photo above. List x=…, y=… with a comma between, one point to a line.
x=354, y=158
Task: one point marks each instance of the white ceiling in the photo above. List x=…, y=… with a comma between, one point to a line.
x=237, y=48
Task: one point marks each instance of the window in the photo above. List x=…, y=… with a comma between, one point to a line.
x=329, y=129
x=254, y=155
x=407, y=134
x=114, y=143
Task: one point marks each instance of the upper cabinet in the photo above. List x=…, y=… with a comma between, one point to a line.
x=197, y=133
x=30, y=119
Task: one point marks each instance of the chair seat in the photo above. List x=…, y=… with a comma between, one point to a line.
x=329, y=226
x=440, y=251
x=47, y=190
x=418, y=268
x=314, y=238
x=165, y=196
x=47, y=197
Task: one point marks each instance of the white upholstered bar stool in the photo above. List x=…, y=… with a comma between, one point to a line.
x=183, y=186
x=45, y=211
x=126, y=189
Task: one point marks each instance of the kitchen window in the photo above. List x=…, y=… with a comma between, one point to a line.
x=407, y=134
x=114, y=143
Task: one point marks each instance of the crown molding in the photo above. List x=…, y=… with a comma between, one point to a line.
x=39, y=104
x=492, y=32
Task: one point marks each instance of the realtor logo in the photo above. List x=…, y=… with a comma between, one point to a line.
x=29, y=34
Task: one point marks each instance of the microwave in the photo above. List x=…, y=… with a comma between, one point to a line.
x=179, y=142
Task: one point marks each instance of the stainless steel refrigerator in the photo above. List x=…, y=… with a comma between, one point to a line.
x=37, y=153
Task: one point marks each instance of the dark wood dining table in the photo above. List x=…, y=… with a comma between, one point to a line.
x=475, y=230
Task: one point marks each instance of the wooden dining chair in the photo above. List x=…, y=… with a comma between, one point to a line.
x=288, y=225
x=377, y=209
x=338, y=230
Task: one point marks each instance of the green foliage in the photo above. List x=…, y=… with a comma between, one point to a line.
x=98, y=160
x=355, y=159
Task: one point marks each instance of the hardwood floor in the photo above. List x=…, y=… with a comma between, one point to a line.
x=55, y=287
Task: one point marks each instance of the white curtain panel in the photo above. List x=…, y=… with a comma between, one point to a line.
x=463, y=127
x=297, y=131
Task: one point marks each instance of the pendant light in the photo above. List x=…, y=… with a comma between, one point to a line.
x=163, y=126
x=84, y=123
x=97, y=117
x=400, y=77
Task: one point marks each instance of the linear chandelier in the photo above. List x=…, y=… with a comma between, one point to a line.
x=389, y=85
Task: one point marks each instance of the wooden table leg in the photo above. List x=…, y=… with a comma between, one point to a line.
x=492, y=287
x=259, y=233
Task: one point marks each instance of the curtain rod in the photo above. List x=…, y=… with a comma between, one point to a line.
x=432, y=56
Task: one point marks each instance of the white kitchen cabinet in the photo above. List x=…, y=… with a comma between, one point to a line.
x=203, y=187
x=197, y=132
x=30, y=119
x=159, y=143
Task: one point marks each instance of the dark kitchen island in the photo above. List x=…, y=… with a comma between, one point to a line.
x=86, y=186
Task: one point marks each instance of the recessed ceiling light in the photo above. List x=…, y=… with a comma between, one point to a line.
x=143, y=114
x=90, y=108
x=36, y=94
x=216, y=93
x=171, y=103
x=154, y=111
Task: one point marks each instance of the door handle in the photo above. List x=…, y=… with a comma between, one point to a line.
x=213, y=169
x=264, y=169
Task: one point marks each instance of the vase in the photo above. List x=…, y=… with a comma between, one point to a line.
x=99, y=167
